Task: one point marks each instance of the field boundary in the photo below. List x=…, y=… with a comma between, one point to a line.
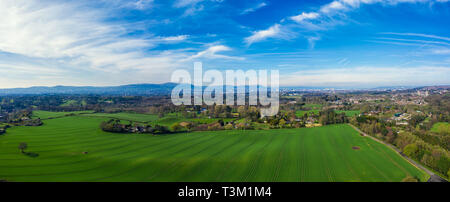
x=433, y=177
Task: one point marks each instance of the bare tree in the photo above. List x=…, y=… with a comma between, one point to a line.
x=23, y=146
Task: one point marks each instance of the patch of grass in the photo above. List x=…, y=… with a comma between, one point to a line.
x=127, y=116
x=313, y=106
x=441, y=127
x=300, y=113
x=313, y=109
x=349, y=112
x=69, y=103
x=47, y=114
x=74, y=148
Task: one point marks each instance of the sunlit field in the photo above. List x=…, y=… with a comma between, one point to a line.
x=74, y=148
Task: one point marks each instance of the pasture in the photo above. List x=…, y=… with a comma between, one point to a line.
x=73, y=148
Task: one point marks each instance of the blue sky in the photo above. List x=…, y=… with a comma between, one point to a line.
x=333, y=43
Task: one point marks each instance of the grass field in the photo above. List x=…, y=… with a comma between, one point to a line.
x=441, y=127
x=46, y=114
x=57, y=152
x=349, y=112
x=167, y=120
x=313, y=106
x=127, y=116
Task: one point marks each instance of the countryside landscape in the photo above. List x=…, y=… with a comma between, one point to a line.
x=203, y=91
x=316, y=137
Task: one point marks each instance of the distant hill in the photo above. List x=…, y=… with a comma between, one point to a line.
x=444, y=87
x=159, y=89
x=133, y=89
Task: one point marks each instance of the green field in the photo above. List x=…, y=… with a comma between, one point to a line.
x=126, y=116
x=46, y=114
x=73, y=148
x=348, y=112
x=441, y=127
x=301, y=113
x=313, y=106
x=167, y=120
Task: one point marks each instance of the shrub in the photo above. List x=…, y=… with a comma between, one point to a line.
x=411, y=150
x=176, y=127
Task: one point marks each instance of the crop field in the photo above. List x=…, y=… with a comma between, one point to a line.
x=74, y=148
x=167, y=120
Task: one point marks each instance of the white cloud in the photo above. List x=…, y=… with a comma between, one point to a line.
x=80, y=39
x=342, y=6
x=429, y=44
x=419, y=35
x=193, y=10
x=332, y=7
x=442, y=51
x=304, y=16
x=325, y=17
x=312, y=41
x=192, y=7
x=142, y=4
x=253, y=9
x=130, y=4
x=185, y=3
x=175, y=38
x=257, y=36
x=212, y=53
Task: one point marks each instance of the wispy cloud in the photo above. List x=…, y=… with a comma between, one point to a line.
x=323, y=17
x=368, y=76
x=212, y=52
x=175, y=38
x=304, y=16
x=185, y=3
x=142, y=4
x=415, y=41
x=312, y=41
x=441, y=51
x=80, y=38
x=272, y=32
x=419, y=35
x=426, y=43
x=339, y=7
x=334, y=6
x=253, y=9
x=192, y=7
